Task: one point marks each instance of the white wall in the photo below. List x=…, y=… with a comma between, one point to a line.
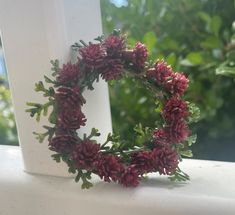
x=33, y=32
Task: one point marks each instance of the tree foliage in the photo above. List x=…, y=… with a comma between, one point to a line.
x=8, y=134
x=194, y=37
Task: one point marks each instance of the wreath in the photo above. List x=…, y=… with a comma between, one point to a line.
x=160, y=149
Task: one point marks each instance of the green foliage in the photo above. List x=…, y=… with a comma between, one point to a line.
x=194, y=113
x=194, y=37
x=227, y=68
x=179, y=175
x=8, y=133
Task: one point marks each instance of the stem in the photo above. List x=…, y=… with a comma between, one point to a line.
x=117, y=151
x=104, y=144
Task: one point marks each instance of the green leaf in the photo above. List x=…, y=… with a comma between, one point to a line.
x=211, y=42
x=169, y=43
x=204, y=16
x=139, y=129
x=231, y=55
x=38, y=116
x=77, y=178
x=159, y=107
x=39, y=87
x=55, y=67
x=56, y=157
x=94, y=133
x=48, y=80
x=226, y=71
x=72, y=170
x=150, y=40
x=45, y=110
x=33, y=104
x=53, y=117
x=215, y=25
x=187, y=153
x=195, y=58
x=171, y=59
x=191, y=140
x=131, y=41
x=186, y=62
x=40, y=136
x=194, y=112
x=86, y=185
x=84, y=176
x=179, y=175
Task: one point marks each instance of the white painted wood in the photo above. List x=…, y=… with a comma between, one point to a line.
x=33, y=32
x=211, y=191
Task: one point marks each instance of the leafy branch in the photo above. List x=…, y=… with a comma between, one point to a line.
x=39, y=87
x=39, y=109
x=41, y=136
x=84, y=176
x=183, y=149
x=94, y=133
x=194, y=113
x=55, y=67
x=144, y=135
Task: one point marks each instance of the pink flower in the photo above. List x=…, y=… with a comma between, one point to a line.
x=69, y=74
x=72, y=118
x=178, y=84
x=160, y=137
x=175, y=83
x=166, y=159
x=114, y=45
x=143, y=161
x=177, y=131
x=130, y=177
x=139, y=55
x=112, y=69
x=161, y=72
x=86, y=155
x=63, y=143
x=93, y=55
x=69, y=97
x=109, y=168
x=175, y=109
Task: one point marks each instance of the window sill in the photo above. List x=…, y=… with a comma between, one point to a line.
x=210, y=191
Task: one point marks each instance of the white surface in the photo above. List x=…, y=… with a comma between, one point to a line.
x=33, y=32
x=211, y=191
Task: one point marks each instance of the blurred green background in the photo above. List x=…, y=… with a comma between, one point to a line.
x=196, y=37
x=8, y=133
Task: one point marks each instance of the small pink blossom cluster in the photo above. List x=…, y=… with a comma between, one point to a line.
x=174, y=83
x=108, y=59
x=175, y=113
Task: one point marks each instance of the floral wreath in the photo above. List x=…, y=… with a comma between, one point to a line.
x=161, y=148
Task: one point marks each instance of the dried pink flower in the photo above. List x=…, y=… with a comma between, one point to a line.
x=139, y=55
x=143, y=161
x=63, y=143
x=109, y=168
x=175, y=109
x=86, y=155
x=130, y=177
x=69, y=74
x=177, y=131
x=72, y=118
x=166, y=159
x=114, y=45
x=93, y=55
x=112, y=69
